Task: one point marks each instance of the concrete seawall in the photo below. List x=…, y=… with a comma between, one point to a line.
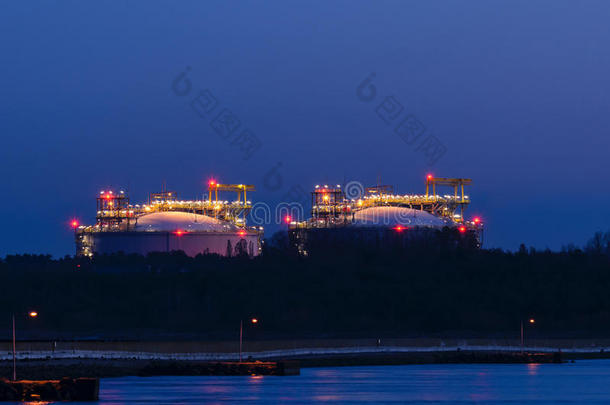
x=271, y=349
x=278, y=354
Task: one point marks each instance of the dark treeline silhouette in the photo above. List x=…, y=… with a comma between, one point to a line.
x=433, y=287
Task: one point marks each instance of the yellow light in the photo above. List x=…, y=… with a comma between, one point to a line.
x=532, y=320
x=254, y=320
x=33, y=314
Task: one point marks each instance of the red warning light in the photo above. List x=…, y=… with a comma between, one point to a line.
x=179, y=232
x=399, y=228
x=476, y=220
x=462, y=229
x=74, y=224
x=288, y=219
x=429, y=177
x=212, y=183
x=242, y=233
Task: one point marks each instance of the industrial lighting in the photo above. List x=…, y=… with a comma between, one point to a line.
x=462, y=229
x=476, y=220
x=242, y=233
x=74, y=224
x=532, y=320
x=287, y=219
x=33, y=314
x=429, y=177
x=254, y=320
x=179, y=232
x=398, y=228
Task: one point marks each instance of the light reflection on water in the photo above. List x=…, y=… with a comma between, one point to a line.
x=583, y=381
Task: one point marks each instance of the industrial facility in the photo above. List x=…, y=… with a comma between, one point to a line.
x=165, y=223
x=215, y=226
x=379, y=211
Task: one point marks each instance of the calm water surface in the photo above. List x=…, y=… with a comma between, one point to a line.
x=583, y=381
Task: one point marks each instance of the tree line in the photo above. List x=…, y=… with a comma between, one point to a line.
x=433, y=288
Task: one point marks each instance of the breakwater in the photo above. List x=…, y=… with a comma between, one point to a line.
x=58, y=368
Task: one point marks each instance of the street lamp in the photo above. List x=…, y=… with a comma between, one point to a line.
x=253, y=321
x=32, y=314
x=531, y=321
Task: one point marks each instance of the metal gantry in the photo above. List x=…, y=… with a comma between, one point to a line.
x=330, y=206
x=460, y=200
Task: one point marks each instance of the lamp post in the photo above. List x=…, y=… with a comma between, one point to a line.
x=254, y=321
x=531, y=321
x=32, y=314
x=14, y=356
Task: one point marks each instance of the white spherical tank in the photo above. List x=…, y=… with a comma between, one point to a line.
x=391, y=216
x=174, y=230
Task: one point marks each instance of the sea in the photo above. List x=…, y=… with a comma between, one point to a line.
x=582, y=381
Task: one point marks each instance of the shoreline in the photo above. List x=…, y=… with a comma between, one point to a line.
x=116, y=359
x=54, y=368
x=298, y=353
x=44, y=369
x=228, y=350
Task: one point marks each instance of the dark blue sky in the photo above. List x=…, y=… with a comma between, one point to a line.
x=517, y=91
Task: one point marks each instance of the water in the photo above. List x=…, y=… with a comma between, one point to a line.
x=583, y=381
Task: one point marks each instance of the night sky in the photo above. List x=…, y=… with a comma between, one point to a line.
x=517, y=92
